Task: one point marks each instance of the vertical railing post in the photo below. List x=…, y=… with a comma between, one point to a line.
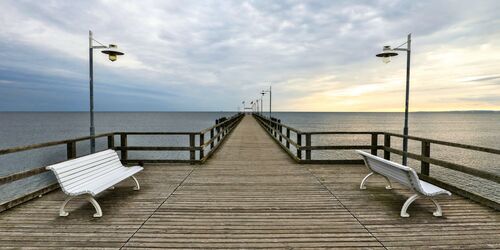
x=299, y=144
x=111, y=141
x=192, y=153
x=202, y=141
x=275, y=127
x=71, y=150
x=211, y=137
x=387, y=144
x=426, y=152
x=123, y=147
x=217, y=129
x=374, y=144
x=288, y=137
x=308, y=144
x=280, y=130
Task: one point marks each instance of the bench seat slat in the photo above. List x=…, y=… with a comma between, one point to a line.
x=104, y=182
x=99, y=173
x=70, y=164
x=87, y=165
x=88, y=172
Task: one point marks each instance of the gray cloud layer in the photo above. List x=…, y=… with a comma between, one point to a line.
x=210, y=55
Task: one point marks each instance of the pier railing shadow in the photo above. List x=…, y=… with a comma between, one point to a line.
x=298, y=144
x=201, y=146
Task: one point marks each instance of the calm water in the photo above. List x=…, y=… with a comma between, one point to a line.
x=476, y=128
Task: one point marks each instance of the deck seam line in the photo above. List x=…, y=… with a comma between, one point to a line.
x=180, y=184
x=343, y=206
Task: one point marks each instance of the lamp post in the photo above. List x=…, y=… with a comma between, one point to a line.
x=261, y=103
x=112, y=52
x=270, y=100
x=386, y=55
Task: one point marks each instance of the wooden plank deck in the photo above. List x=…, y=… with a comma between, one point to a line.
x=251, y=195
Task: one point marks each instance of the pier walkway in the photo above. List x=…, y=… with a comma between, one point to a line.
x=251, y=195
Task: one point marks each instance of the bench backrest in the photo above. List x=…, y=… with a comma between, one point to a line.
x=75, y=172
x=403, y=174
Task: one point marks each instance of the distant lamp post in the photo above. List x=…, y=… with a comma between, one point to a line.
x=113, y=53
x=270, y=101
x=262, y=103
x=386, y=55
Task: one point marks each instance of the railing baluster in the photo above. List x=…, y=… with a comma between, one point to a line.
x=202, y=141
x=192, y=153
x=71, y=150
x=387, y=144
x=280, y=130
x=211, y=137
x=288, y=137
x=123, y=146
x=426, y=152
x=111, y=141
x=374, y=144
x=299, y=143
x=308, y=144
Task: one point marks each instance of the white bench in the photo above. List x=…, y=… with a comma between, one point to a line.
x=90, y=175
x=404, y=175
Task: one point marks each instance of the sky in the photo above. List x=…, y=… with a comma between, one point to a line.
x=212, y=55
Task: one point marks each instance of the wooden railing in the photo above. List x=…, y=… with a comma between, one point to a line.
x=302, y=142
x=205, y=142
x=201, y=146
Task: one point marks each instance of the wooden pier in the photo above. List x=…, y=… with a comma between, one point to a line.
x=251, y=194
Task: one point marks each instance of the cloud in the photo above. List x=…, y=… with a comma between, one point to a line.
x=198, y=55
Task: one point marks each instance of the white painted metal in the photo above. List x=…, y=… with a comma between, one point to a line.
x=90, y=175
x=404, y=175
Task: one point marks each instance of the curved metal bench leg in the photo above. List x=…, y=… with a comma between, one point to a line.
x=95, y=204
x=62, y=212
x=362, y=186
x=407, y=204
x=389, y=186
x=438, y=212
x=137, y=186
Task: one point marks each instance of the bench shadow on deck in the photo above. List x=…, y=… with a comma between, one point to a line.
x=251, y=195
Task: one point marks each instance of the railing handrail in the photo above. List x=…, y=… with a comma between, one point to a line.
x=50, y=144
x=416, y=138
x=283, y=125
x=4, y=151
x=445, y=143
x=220, y=124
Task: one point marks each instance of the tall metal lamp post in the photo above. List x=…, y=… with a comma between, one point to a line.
x=270, y=101
x=113, y=53
x=386, y=55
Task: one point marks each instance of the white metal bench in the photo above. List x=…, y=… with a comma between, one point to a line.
x=404, y=175
x=90, y=175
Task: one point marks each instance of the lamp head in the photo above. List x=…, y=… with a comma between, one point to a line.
x=113, y=52
x=386, y=54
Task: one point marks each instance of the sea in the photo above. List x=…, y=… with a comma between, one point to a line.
x=480, y=128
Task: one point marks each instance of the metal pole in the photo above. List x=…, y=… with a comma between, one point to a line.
x=405, y=130
x=261, y=104
x=270, y=104
x=91, y=85
x=270, y=101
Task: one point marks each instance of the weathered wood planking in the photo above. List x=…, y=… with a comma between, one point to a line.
x=37, y=224
x=251, y=195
